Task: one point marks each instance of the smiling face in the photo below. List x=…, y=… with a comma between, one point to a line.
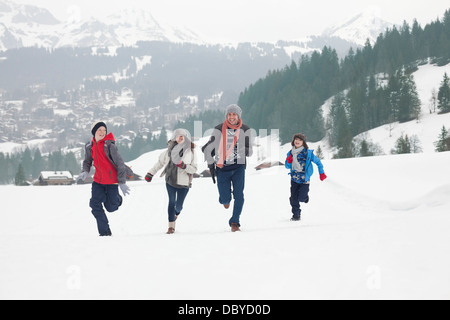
x=100, y=134
x=233, y=118
x=298, y=143
x=180, y=139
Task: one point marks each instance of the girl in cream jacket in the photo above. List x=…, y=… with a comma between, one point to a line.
x=179, y=163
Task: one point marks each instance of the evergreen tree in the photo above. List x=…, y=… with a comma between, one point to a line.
x=138, y=147
x=344, y=137
x=20, y=179
x=56, y=161
x=319, y=152
x=3, y=171
x=11, y=170
x=405, y=99
x=337, y=111
x=364, y=150
x=38, y=164
x=357, y=109
x=71, y=164
x=444, y=95
x=402, y=145
x=27, y=162
x=441, y=144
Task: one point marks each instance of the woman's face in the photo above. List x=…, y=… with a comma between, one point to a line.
x=180, y=139
x=298, y=143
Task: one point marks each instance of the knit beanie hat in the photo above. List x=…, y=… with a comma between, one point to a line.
x=181, y=132
x=234, y=108
x=97, y=125
x=302, y=137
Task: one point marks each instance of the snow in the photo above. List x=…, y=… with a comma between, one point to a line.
x=372, y=218
x=56, y=174
x=377, y=228
x=429, y=126
x=141, y=62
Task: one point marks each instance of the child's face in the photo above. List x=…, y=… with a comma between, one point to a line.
x=298, y=143
x=100, y=134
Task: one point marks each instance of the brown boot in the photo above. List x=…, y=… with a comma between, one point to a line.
x=235, y=227
x=226, y=206
x=171, y=229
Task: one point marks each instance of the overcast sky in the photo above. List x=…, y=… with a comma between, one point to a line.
x=251, y=20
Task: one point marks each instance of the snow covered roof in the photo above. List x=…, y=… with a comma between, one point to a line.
x=46, y=175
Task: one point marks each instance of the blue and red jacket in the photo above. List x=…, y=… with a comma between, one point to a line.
x=309, y=170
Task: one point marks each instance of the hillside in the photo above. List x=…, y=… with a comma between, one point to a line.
x=427, y=129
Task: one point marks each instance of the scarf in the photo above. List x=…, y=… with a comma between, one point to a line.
x=176, y=152
x=299, y=167
x=223, y=153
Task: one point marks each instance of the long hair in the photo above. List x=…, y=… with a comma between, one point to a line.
x=302, y=137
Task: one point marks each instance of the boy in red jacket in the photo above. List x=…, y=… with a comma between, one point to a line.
x=110, y=174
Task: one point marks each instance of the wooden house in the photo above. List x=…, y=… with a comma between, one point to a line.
x=55, y=178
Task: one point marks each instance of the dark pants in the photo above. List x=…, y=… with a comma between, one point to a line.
x=107, y=195
x=299, y=193
x=225, y=180
x=176, y=200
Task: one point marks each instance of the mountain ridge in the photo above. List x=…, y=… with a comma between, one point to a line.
x=26, y=25
x=365, y=25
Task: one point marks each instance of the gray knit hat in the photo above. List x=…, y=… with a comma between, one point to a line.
x=234, y=108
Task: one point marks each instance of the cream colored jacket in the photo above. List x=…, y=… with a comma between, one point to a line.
x=184, y=176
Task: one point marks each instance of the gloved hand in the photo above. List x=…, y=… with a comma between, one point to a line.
x=212, y=170
x=181, y=165
x=323, y=176
x=82, y=176
x=289, y=159
x=148, y=177
x=125, y=189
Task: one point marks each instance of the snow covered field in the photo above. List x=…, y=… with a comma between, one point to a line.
x=377, y=228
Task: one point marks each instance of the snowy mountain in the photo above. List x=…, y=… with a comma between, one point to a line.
x=366, y=25
x=25, y=25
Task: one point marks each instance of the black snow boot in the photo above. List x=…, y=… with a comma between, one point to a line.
x=107, y=233
x=296, y=218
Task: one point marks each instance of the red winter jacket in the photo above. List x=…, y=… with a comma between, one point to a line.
x=105, y=172
x=108, y=163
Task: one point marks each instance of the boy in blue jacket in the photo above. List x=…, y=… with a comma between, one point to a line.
x=299, y=161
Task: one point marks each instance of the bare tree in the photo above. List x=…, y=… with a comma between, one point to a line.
x=433, y=101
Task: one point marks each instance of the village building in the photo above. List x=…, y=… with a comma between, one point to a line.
x=55, y=178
